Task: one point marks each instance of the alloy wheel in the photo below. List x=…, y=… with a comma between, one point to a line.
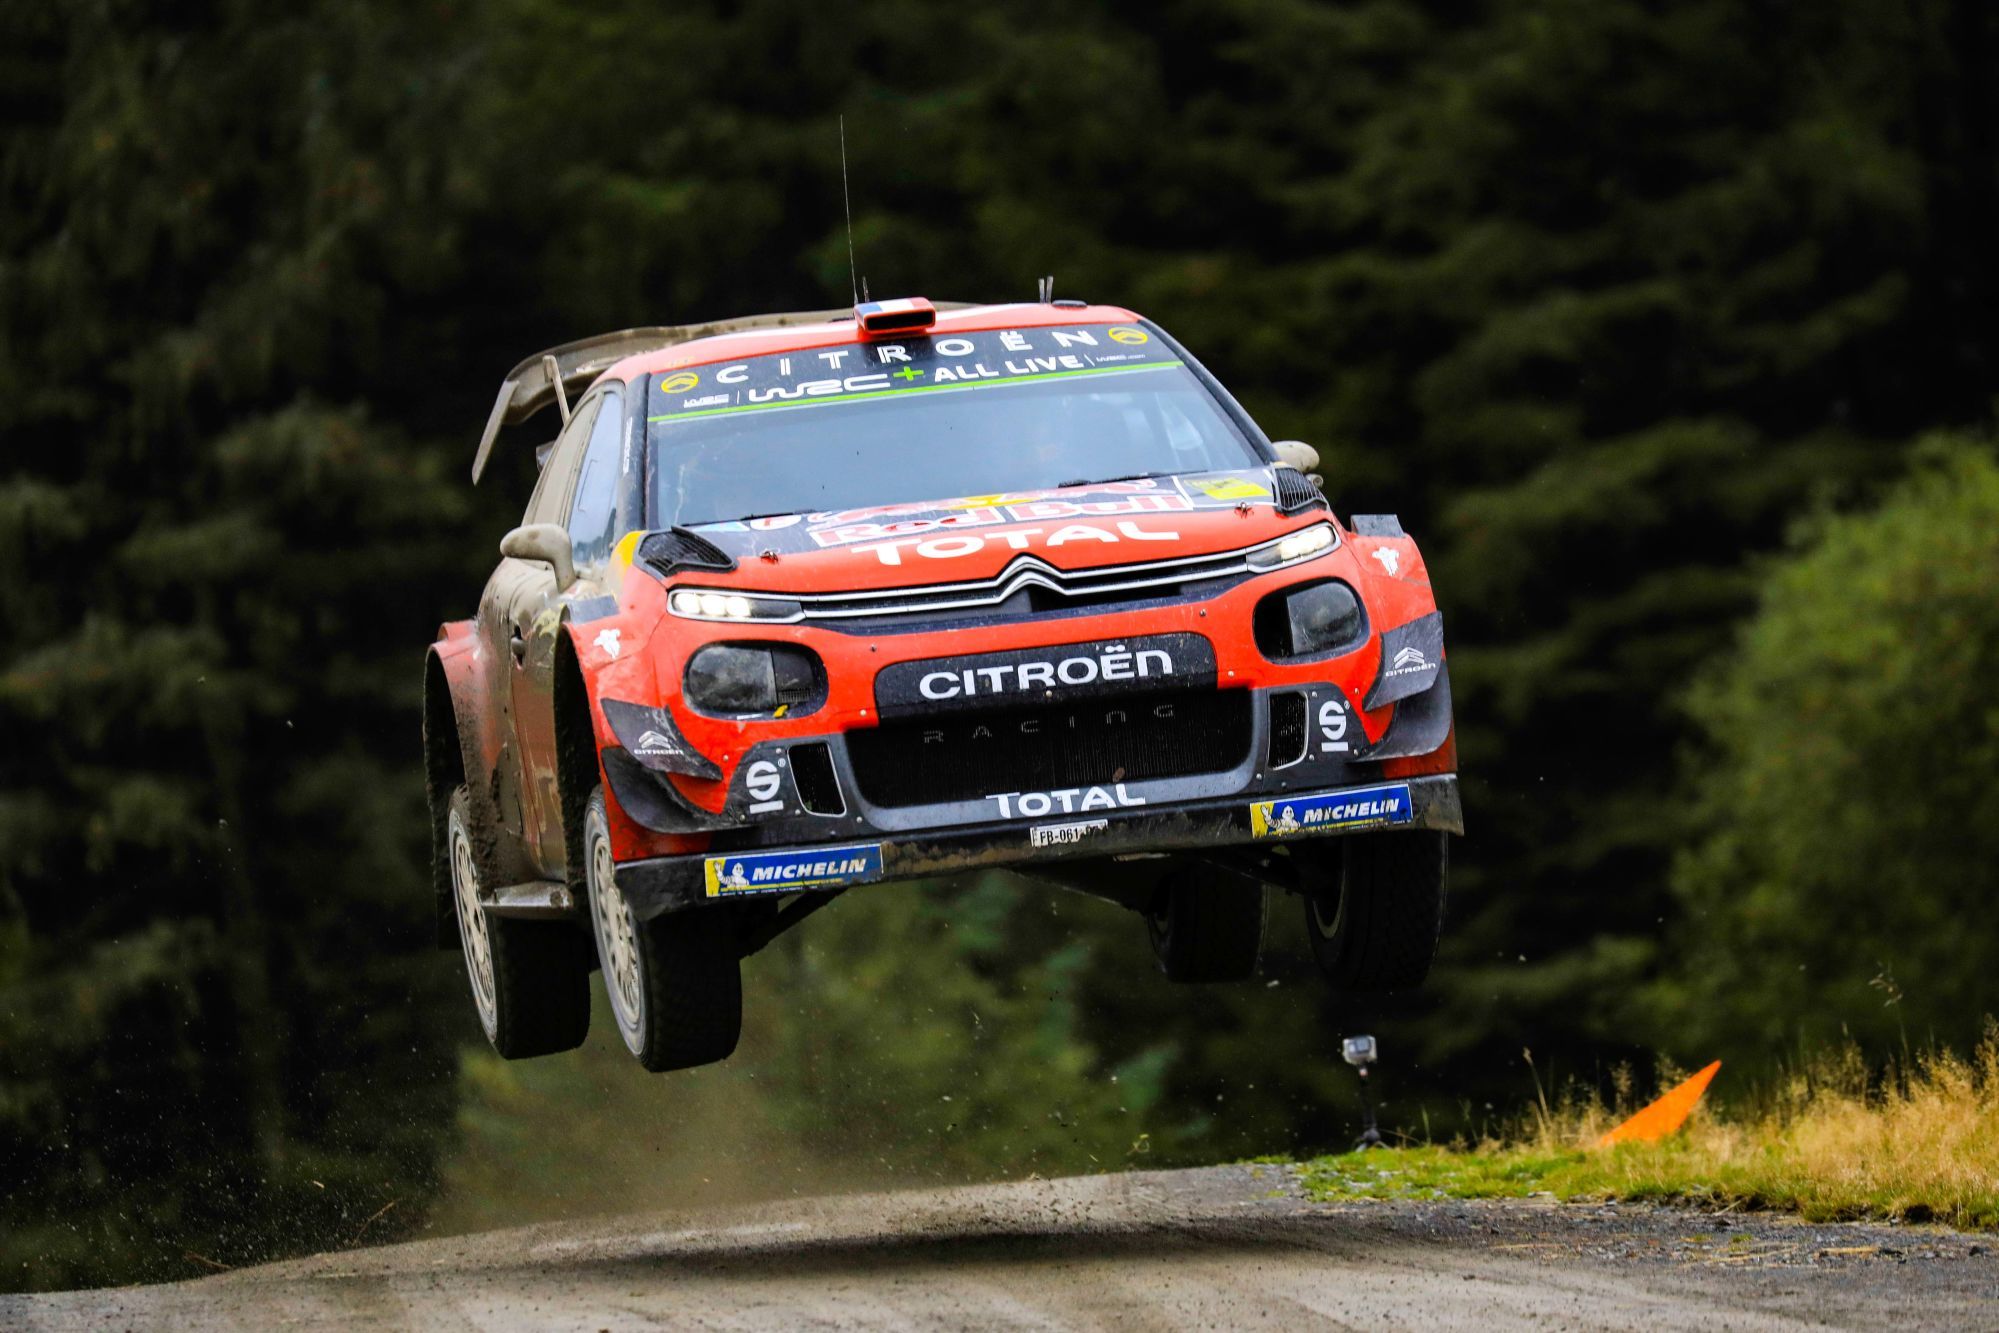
x=617, y=937
x=472, y=925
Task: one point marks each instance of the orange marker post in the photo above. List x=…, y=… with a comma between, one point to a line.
x=1664, y=1116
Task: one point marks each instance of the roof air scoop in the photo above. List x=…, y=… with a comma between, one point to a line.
x=884, y=319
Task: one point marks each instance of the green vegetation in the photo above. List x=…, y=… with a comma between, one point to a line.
x=1828, y=1142
x=1602, y=298
x=1850, y=818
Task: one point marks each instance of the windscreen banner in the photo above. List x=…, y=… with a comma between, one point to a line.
x=954, y=362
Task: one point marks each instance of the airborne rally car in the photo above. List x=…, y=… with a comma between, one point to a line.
x=806, y=602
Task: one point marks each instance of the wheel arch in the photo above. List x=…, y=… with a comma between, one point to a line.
x=576, y=763
x=444, y=771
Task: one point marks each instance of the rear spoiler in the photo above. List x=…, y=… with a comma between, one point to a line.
x=556, y=375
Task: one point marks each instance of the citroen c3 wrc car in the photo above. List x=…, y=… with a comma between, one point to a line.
x=805, y=602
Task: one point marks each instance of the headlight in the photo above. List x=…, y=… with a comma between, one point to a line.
x=1316, y=620
x=711, y=604
x=758, y=680
x=1300, y=545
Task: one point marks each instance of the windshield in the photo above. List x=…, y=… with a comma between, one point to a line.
x=929, y=418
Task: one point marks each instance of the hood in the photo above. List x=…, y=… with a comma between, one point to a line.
x=975, y=537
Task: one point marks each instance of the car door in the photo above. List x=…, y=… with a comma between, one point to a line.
x=580, y=509
x=520, y=594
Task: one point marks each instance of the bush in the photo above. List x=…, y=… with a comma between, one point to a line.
x=1848, y=791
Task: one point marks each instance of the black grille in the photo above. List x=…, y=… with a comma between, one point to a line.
x=1287, y=729
x=1295, y=491
x=818, y=788
x=677, y=548
x=969, y=756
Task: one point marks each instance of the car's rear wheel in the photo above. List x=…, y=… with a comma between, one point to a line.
x=530, y=979
x=675, y=982
x=1206, y=924
x=1374, y=908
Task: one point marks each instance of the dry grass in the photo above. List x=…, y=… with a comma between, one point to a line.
x=1917, y=1143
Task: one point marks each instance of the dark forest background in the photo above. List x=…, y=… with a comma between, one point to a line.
x=1667, y=328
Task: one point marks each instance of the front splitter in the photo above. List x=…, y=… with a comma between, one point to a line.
x=664, y=884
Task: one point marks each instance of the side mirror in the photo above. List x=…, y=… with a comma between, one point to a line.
x=546, y=543
x=1298, y=454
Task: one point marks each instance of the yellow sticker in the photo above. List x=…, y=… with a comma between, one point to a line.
x=1125, y=333
x=1229, y=488
x=680, y=383
x=621, y=559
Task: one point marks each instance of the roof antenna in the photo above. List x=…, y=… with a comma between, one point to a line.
x=1046, y=292
x=846, y=202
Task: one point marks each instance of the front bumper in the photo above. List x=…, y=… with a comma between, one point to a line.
x=674, y=883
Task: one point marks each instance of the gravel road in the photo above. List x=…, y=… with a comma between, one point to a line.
x=1225, y=1247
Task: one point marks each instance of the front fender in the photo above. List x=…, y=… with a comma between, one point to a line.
x=612, y=662
x=611, y=657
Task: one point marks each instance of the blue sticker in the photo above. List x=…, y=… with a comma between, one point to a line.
x=1357, y=807
x=784, y=872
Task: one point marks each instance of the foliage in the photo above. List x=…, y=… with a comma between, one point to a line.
x=214, y=1038
x=942, y=1030
x=1920, y=1143
x=1848, y=810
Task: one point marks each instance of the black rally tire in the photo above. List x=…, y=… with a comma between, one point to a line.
x=1377, y=911
x=530, y=979
x=1206, y=925
x=675, y=982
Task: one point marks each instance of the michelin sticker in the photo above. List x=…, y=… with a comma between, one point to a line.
x=784, y=872
x=1360, y=807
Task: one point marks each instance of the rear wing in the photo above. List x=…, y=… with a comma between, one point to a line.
x=558, y=374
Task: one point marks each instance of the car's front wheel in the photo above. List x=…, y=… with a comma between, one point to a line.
x=1206, y=924
x=530, y=979
x=675, y=982
x=1374, y=908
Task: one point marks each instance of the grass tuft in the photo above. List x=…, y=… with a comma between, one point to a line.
x=1919, y=1143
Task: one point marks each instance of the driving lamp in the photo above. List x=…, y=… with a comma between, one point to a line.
x=736, y=679
x=1315, y=620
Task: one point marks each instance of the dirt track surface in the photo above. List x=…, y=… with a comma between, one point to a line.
x=1225, y=1247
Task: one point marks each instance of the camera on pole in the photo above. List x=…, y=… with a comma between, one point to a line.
x=1360, y=1052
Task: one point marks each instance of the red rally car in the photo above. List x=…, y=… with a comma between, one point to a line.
x=804, y=602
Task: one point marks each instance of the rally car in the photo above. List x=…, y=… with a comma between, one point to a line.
x=810, y=601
